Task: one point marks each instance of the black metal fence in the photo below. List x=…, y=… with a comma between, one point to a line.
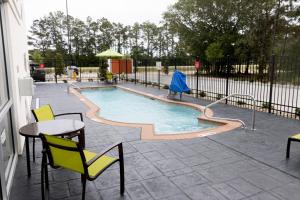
x=273, y=82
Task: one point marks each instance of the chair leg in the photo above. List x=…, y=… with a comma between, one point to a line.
x=33, y=149
x=42, y=177
x=122, y=175
x=46, y=174
x=122, y=178
x=83, y=181
x=288, y=148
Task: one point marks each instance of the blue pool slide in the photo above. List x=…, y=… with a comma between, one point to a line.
x=178, y=83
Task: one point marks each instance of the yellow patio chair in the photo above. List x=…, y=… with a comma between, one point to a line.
x=45, y=113
x=110, y=78
x=70, y=155
x=295, y=138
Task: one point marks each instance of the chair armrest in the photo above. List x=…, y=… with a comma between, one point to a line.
x=120, y=146
x=81, y=118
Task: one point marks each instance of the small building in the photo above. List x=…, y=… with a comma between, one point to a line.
x=119, y=66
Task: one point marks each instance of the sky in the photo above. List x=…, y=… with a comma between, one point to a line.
x=123, y=11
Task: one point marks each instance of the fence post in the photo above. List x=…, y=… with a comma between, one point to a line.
x=159, y=79
x=55, y=71
x=146, y=63
x=197, y=83
x=272, y=71
x=119, y=70
x=227, y=79
x=126, y=71
x=175, y=64
x=135, y=68
x=80, y=73
x=55, y=77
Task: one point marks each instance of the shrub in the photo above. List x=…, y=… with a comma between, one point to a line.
x=265, y=105
x=166, y=87
x=297, y=112
x=219, y=96
x=202, y=94
x=240, y=102
x=154, y=84
x=166, y=70
x=103, y=69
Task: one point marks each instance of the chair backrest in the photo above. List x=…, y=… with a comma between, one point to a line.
x=64, y=153
x=109, y=76
x=43, y=113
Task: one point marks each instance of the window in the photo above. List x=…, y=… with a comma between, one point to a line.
x=3, y=78
x=6, y=141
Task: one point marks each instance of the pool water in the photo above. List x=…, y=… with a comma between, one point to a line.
x=122, y=106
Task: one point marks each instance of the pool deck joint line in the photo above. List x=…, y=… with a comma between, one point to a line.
x=147, y=130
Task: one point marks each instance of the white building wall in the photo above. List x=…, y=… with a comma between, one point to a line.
x=17, y=62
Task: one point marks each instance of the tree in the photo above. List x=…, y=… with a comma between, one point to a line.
x=214, y=52
x=40, y=35
x=150, y=32
x=241, y=29
x=37, y=57
x=60, y=64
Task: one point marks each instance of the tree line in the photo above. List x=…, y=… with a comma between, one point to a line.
x=208, y=29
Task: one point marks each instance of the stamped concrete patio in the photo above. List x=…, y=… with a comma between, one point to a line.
x=235, y=165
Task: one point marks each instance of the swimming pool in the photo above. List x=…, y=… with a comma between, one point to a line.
x=119, y=105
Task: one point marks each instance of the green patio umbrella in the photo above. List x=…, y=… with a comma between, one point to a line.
x=110, y=54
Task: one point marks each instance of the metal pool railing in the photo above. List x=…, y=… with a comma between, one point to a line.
x=230, y=119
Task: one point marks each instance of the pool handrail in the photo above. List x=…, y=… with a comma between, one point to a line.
x=230, y=119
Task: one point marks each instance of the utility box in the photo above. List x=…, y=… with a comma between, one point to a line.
x=26, y=87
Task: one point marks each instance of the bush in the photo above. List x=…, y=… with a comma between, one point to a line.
x=202, y=94
x=154, y=84
x=219, y=96
x=297, y=112
x=103, y=69
x=190, y=92
x=240, y=102
x=166, y=87
x=166, y=70
x=265, y=105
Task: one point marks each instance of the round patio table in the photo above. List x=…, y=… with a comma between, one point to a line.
x=57, y=127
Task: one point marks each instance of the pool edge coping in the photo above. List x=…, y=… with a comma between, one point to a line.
x=147, y=130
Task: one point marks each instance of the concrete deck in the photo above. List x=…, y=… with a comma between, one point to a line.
x=234, y=165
